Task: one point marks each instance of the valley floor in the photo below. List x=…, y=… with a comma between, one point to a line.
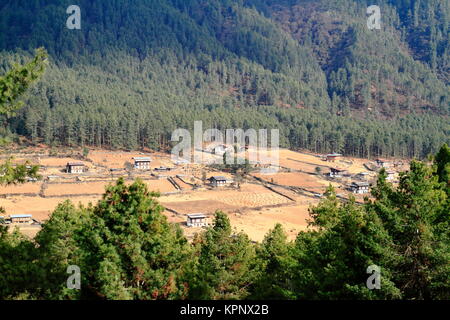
x=260, y=201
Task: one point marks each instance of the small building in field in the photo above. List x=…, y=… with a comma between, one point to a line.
x=163, y=169
x=196, y=220
x=218, y=181
x=217, y=149
x=180, y=161
x=142, y=163
x=21, y=218
x=390, y=175
x=337, y=173
x=332, y=157
x=383, y=163
x=52, y=178
x=360, y=187
x=75, y=167
x=220, y=149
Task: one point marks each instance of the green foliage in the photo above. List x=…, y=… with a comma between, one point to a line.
x=416, y=215
x=126, y=249
x=58, y=248
x=85, y=152
x=12, y=87
x=404, y=231
x=20, y=275
x=275, y=256
x=15, y=174
x=326, y=214
x=442, y=162
x=138, y=255
x=331, y=263
x=15, y=83
x=226, y=263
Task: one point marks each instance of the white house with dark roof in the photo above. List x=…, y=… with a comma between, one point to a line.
x=218, y=181
x=360, y=187
x=332, y=157
x=142, y=163
x=196, y=220
x=363, y=175
x=384, y=163
x=162, y=169
x=75, y=167
x=337, y=173
x=390, y=175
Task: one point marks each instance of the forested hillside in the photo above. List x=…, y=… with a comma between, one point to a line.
x=139, y=69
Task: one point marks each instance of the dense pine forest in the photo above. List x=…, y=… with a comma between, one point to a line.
x=139, y=69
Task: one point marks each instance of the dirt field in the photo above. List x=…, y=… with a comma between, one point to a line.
x=28, y=230
x=257, y=223
x=309, y=162
x=40, y=208
x=162, y=186
x=250, y=196
x=28, y=188
x=67, y=189
x=61, y=162
x=117, y=159
x=295, y=179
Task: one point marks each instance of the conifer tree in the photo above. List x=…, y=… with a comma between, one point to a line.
x=226, y=263
x=276, y=263
x=129, y=250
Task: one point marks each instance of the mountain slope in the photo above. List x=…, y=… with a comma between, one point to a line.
x=139, y=69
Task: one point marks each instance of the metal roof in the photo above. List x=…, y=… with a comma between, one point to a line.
x=18, y=216
x=360, y=184
x=142, y=159
x=75, y=164
x=177, y=161
x=218, y=178
x=197, y=216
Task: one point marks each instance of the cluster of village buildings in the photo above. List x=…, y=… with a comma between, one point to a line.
x=359, y=187
x=198, y=219
x=144, y=163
